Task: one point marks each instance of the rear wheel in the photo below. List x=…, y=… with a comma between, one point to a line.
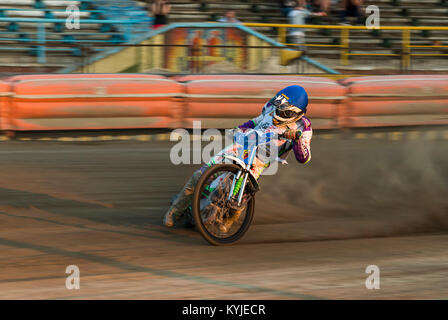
x=217, y=221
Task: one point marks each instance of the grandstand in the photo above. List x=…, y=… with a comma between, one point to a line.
x=30, y=45
x=25, y=22
x=386, y=42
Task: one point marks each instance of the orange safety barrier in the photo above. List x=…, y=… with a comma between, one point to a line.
x=397, y=100
x=125, y=101
x=227, y=100
x=94, y=101
x=5, y=97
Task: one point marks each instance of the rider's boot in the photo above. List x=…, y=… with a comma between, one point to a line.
x=171, y=217
x=182, y=202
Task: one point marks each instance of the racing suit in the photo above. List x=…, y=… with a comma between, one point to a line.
x=300, y=146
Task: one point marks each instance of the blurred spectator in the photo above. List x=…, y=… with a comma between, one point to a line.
x=320, y=5
x=297, y=16
x=229, y=17
x=160, y=10
x=196, y=48
x=287, y=6
x=351, y=8
x=214, y=40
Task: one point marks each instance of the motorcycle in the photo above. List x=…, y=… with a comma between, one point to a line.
x=224, y=198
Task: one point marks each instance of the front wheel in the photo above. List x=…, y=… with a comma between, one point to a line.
x=217, y=221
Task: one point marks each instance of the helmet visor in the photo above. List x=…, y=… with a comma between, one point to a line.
x=286, y=110
x=287, y=114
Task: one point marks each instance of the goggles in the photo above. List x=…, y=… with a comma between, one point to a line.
x=285, y=110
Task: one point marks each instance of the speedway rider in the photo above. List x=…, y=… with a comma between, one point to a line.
x=284, y=114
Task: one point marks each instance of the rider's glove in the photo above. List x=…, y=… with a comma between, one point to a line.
x=291, y=134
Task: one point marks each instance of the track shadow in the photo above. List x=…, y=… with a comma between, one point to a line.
x=89, y=217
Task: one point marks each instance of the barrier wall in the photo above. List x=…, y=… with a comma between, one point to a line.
x=397, y=100
x=119, y=101
x=227, y=101
x=5, y=96
x=96, y=101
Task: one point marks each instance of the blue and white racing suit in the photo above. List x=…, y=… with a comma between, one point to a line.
x=301, y=148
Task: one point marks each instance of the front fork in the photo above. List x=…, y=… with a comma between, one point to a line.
x=243, y=187
x=240, y=181
x=238, y=186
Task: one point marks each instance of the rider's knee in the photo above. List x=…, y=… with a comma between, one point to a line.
x=196, y=176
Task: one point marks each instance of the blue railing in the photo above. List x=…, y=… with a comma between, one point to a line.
x=47, y=13
x=125, y=10
x=118, y=20
x=84, y=4
x=112, y=10
x=41, y=33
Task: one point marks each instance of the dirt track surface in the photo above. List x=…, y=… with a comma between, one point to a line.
x=317, y=227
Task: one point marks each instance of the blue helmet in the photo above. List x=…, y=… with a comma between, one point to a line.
x=290, y=104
